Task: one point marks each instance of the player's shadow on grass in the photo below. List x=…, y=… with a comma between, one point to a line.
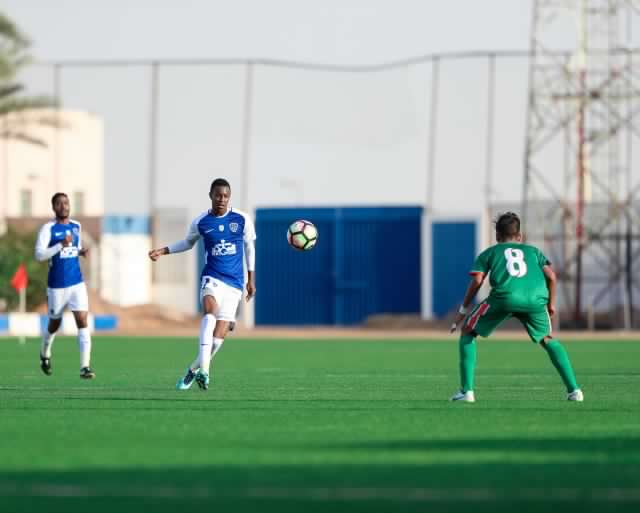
x=351, y=487
x=591, y=447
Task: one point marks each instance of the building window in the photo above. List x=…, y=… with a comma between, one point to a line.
x=78, y=203
x=26, y=203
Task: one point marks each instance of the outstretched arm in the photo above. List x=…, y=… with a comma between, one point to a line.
x=154, y=254
x=550, y=276
x=472, y=289
x=178, y=247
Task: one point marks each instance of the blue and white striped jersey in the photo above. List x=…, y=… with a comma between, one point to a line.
x=64, y=267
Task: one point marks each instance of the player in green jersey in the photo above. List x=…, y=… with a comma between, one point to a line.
x=523, y=286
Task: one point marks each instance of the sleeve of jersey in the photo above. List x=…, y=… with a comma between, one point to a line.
x=188, y=242
x=480, y=265
x=542, y=259
x=250, y=255
x=43, y=252
x=249, y=230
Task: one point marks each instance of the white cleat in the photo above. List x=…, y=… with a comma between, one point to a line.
x=576, y=395
x=465, y=397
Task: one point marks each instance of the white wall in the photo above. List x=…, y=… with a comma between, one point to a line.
x=125, y=270
x=69, y=160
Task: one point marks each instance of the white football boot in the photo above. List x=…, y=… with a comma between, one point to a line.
x=465, y=397
x=576, y=395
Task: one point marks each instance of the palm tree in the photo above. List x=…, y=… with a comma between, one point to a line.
x=18, y=111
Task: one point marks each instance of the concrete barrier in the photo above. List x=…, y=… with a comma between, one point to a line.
x=33, y=324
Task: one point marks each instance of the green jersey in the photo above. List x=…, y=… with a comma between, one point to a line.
x=515, y=275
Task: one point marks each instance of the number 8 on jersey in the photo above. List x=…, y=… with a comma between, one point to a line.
x=516, y=266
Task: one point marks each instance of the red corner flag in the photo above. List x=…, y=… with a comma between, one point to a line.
x=20, y=278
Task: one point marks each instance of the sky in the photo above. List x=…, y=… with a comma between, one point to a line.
x=330, y=31
x=315, y=138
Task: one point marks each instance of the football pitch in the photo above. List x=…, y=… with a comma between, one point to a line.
x=318, y=425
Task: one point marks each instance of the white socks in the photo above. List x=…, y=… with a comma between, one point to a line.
x=217, y=344
x=207, y=325
x=209, y=345
x=47, y=342
x=84, y=344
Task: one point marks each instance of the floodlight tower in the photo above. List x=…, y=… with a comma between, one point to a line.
x=583, y=121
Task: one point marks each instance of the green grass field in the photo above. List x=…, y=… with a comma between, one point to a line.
x=318, y=425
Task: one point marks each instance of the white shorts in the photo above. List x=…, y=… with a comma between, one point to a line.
x=74, y=297
x=226, y=296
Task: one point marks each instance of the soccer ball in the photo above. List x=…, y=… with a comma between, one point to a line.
x=302, y=235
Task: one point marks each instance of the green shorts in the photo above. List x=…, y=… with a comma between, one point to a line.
x=485, y=318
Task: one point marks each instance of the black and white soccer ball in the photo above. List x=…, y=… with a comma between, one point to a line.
x=302, y=235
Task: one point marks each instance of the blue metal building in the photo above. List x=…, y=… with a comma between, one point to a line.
x=453, y=247
x=367, y=261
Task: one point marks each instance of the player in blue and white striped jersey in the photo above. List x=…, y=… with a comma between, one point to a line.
x=228, y=235
x=59, y=241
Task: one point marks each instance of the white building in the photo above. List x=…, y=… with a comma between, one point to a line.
x=69, y=159
x=65, y=153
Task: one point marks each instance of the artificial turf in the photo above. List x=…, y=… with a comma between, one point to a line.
x=318, y=425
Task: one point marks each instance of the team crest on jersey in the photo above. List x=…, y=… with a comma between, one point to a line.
x=234, y=227
x=75, y=230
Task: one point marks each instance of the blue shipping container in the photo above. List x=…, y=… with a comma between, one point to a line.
x=367, y=261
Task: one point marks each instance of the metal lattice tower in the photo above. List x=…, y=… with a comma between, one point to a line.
x=580, y=190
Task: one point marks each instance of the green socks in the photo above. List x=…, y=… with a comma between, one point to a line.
x=467, y=347
x=560, y=359
x=557, y=354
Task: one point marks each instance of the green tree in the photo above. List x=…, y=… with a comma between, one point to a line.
x=17, y=110
x=15, y=249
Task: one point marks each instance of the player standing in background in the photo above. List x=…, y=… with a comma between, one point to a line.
x=59, y=242
x=228, y=235
x=523, y=286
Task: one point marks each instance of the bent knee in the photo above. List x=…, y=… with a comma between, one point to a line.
x=545, y=340
x=221, y=329
x=209, y=305
x=54, y=325
x=468, y=330
x=82, y=319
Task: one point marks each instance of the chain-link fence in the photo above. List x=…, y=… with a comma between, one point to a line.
x=443, y=131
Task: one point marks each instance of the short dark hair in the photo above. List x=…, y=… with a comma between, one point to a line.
x=507, y=225
x=219, y=182
x=56, y=196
